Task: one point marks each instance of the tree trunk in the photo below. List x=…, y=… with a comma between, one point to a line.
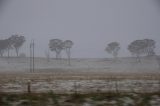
x=1, y=53
x=69, y=57
x=138, y=59
x=17, y=52
x=8, y=55
x=56, y=56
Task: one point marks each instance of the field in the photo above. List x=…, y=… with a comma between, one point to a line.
x=123, y=80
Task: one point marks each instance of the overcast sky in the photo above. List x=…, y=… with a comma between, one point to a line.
x=90, y=24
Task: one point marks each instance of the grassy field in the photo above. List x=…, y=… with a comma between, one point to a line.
x=87, y=82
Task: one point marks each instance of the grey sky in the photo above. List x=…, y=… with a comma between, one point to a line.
x=90, y=24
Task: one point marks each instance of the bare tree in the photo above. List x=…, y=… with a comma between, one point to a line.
x=57, y=46
x=68, y=45
x=113, y=48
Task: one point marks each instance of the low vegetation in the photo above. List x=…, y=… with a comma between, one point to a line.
x=91, y=99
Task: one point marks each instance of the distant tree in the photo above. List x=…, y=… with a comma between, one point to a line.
x=9, y=46
x=17, y=41
x=142, y=47
x=57, y=46
x=113, y=48
x=3, y=47
x=137, y=48
x=150, y=46
x=68, y=45
x=158, y=61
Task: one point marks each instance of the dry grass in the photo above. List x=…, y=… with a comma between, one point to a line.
x=72, y=75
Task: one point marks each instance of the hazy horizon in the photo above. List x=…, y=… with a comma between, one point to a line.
x=90, y=24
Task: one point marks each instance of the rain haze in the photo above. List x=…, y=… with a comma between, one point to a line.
x=80, y=52
x=90, y=24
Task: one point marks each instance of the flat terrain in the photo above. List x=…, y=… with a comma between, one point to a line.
x=91, y=65
x=87, y=75
x=86, y=82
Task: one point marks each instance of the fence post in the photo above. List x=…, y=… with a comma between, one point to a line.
x=29, y=86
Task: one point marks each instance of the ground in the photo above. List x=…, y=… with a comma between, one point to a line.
x=83, y=76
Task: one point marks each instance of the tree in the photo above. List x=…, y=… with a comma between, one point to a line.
x=137, y=48
x=57, y=46
x=3, y=47
x=8, y=43
x=17, y=41
x=158, y=61
x=113, y=48
x=142, y=47
x=150, y=46
x=68, y=45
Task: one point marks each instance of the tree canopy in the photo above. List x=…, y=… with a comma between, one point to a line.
x=113, y=48
x=139, y=47
x=142, y=47
x=57, y=46
x=14, y=41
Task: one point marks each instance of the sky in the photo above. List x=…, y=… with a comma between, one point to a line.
x=90, y=24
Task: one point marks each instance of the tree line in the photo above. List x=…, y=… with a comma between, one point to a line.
x=13, y=42
x=137, y=48
x=57, y=45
